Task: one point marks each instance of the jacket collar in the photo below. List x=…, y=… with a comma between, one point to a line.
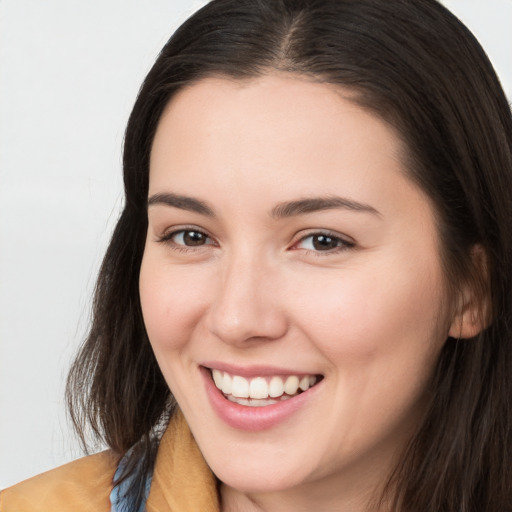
x=182, y=481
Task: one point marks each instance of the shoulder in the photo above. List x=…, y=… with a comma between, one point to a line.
x=82, y=485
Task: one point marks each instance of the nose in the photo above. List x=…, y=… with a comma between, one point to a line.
x=246, y=307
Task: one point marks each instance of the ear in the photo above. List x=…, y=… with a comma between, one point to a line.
x=473, y=310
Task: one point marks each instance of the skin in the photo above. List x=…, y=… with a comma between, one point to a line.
x=368, y=314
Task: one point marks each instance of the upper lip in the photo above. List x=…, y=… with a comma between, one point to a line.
x=253, y=370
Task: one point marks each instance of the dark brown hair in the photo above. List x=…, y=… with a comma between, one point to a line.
x=414, y=64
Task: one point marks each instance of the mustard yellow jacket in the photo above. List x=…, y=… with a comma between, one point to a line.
x=182, y=482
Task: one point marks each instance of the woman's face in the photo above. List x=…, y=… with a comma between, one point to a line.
x=286, y=247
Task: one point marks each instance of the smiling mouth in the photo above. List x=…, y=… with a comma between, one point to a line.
x=262, y=391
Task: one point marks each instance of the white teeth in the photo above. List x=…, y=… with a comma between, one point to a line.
x=304, y=383
x=276, y=387
x=260, y=391
x=227, y=384
x=240, y=387
x=217, y=378
x=291, y=385
x=252, y=403
x=258, y=388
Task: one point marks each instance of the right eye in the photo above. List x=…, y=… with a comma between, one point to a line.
x=189, y=238
x=186, y=238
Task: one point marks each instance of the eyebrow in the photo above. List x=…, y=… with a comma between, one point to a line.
x=281, y=210
x=315, y=204
x=182, y=202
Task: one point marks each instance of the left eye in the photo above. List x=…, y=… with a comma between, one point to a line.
x=190, y=238
x=322, y=242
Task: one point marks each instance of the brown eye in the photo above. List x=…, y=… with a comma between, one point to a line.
x=194, y=238
x=190, y=238
x=324, y=242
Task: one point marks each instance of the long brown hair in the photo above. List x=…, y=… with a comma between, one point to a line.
x=414, y=64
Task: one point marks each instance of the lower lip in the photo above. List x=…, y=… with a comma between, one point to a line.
x=253, y=419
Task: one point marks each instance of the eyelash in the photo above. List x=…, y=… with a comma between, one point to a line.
x=342, y=243
x=168, y=238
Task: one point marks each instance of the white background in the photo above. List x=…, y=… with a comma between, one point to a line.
x=69, y=73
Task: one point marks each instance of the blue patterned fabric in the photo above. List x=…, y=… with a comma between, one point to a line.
x=118, y=497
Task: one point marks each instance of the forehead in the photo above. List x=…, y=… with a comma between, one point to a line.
x=276, y=135
x=268, y=104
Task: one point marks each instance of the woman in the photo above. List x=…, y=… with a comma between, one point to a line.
x=306, y=302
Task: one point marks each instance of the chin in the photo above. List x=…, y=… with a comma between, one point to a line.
x=259, y=469
x=252, y=480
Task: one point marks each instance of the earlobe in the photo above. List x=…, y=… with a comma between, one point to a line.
x=473, y=312
x=467, y=324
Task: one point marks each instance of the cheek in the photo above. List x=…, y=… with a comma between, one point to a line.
x=380, y=333
x=172, y=301
x=374, y=313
